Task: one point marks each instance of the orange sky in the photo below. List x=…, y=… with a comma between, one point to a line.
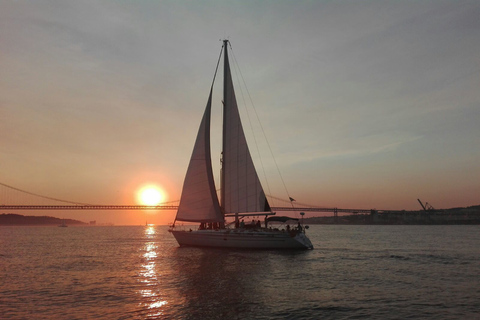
x=368, y=104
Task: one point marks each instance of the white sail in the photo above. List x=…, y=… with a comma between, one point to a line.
x=199, y=201
x=242, y=191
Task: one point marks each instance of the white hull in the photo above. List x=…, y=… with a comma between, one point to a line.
x=242, y=239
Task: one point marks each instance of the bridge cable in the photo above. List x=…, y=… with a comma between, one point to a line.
x=45, y=197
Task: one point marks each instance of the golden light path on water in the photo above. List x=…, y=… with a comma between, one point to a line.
x=149, y=274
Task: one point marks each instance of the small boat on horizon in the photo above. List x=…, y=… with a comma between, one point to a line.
x=241, y=193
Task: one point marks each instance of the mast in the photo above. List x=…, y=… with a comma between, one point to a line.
x=222, y=171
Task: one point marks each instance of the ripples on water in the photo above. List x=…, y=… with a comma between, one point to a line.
x=392, y=272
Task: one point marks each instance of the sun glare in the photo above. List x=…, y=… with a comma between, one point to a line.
x=151, y=195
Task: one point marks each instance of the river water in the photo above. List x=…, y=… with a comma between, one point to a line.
x=139, y=272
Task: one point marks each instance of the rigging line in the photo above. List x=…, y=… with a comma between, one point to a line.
x=298, y=203
x=218, y=63
x=211, y=89
x=237, y=67
x=41, y=196
x=264, y=134
x=172, y=201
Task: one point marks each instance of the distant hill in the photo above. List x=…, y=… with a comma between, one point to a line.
x=10, y=219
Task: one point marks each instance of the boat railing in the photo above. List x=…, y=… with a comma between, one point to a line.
x=182, y=227
x=292, y=231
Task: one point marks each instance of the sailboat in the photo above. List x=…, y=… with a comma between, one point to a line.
x=241, y=193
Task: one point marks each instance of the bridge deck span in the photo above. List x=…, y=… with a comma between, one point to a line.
x=137, y=207
x=85, y=207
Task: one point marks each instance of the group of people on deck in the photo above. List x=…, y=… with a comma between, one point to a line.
x=252, y=225
x=298, y=228
x=209, y=226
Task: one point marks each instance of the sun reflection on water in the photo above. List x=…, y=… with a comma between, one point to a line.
x=149, y=276
x=150, y=252
x=157, y=304
x=150, y=231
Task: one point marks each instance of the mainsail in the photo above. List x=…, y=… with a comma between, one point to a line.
x=241, y=188
x=199, y=201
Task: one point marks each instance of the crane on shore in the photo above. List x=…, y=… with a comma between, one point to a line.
x=426, y=206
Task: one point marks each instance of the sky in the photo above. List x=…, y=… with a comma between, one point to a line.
x=364, y=104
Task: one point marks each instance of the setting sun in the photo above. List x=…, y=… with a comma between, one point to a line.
x=151, y=195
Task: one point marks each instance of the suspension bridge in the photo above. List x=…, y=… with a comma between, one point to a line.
x=12, y=198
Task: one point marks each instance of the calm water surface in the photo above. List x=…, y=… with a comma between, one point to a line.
x=382, y=272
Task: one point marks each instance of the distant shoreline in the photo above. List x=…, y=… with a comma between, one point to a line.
x=454, y=216
x=11, y=219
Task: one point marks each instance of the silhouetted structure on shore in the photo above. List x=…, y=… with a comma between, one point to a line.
x=468, y=215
